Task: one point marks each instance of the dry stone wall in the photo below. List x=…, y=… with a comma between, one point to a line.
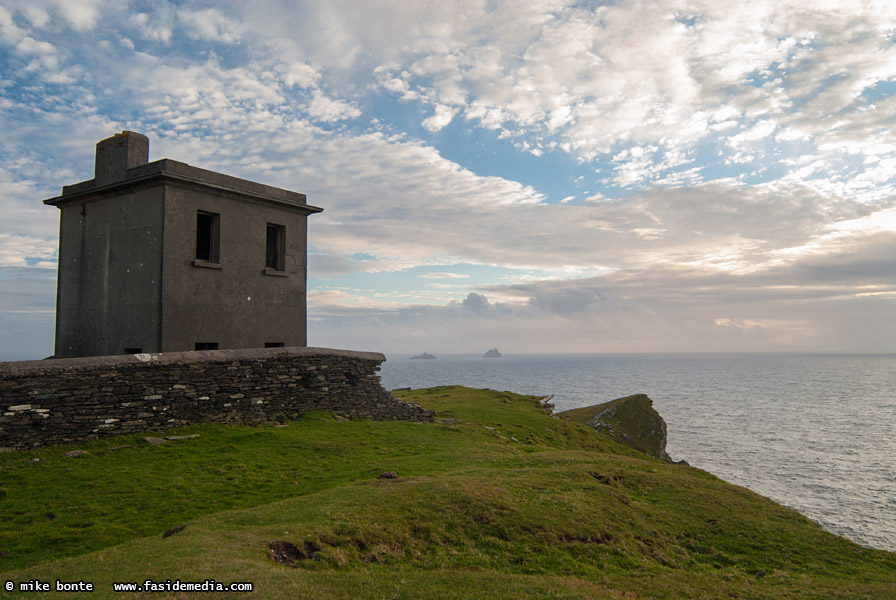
x=59, y=401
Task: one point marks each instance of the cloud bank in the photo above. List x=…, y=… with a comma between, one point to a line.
x=553, y=176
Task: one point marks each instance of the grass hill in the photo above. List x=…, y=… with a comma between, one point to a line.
x=632, y=421
x=493, y=500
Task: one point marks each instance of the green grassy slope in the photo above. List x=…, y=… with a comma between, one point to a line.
x=631, y=421
x=495, y=499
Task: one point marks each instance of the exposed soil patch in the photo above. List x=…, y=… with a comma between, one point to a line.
x=173, y=530
x=608, y=479
x=289, y=554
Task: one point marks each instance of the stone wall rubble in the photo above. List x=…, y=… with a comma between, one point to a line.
x=59, y=401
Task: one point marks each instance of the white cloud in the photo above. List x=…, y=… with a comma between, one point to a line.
x=759, y=131
x=36, y=15
x=81, y=14
x=639, y=94
x=159, y=27
x=619, y=74
x=330, y=110
x=297, y=74
x=440, y=118
x=209, y=24
x=660, y=308
x=24, y=250
x=444, y=276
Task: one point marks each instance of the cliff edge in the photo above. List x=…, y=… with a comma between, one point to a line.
x=631, y=421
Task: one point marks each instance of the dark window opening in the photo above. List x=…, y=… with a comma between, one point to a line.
x=206, y=345
x=275, y=255
x=133, y=350
x=274, y=344
x=208, y=227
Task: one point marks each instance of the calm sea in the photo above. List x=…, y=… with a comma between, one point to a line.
x=813, y=432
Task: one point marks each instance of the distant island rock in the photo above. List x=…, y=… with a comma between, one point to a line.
x=424, y=356
x=493, y=353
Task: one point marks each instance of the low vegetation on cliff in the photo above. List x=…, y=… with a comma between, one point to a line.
x=495, y=499
x=632, y=421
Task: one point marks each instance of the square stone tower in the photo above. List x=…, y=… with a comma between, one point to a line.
x=163, y=256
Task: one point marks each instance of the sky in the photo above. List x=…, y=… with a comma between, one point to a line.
x=541, y=176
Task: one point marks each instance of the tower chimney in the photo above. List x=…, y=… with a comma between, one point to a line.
x=117, y=154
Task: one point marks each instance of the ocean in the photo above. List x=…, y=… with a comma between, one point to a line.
x=815, y=432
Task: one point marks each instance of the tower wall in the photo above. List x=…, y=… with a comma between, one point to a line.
x=110, y=275
x=167, y=257
x=237, y=302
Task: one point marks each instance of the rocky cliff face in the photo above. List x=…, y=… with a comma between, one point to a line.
x=631, y=421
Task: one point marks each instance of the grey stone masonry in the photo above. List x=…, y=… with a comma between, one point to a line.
x=58, y=401
x=166, y=257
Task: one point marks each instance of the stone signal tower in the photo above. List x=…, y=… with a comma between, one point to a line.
x=163, y=256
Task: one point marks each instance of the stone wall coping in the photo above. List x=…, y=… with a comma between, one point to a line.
x=24, y=367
